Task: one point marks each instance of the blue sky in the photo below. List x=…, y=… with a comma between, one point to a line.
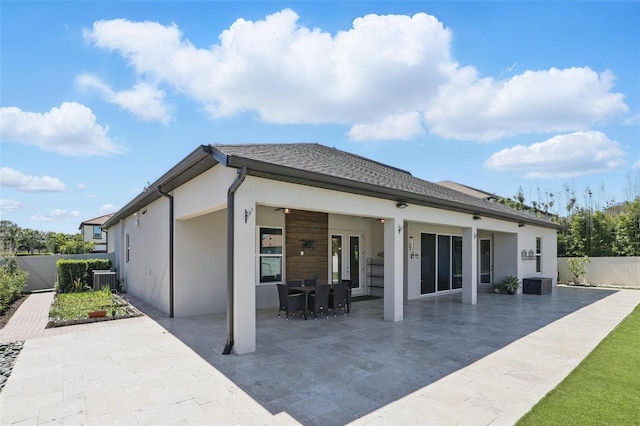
x=99, y=98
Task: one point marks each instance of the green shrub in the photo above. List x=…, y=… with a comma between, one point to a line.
x=96, y=265
x=509, y=285
x=577, y=267
x=69, y=271
x=12, y=282
x=76, y=275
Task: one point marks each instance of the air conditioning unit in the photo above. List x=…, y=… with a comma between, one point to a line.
x=105, y=278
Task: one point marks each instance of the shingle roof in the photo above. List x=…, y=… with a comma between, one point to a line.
x=97, y=220
x=317, y=165
x=478, y=193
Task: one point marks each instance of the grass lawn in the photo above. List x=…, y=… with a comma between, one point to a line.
x=68, y=306
x=604, y=389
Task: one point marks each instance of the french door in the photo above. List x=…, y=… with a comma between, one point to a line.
x=345, y=260
x=485, y=261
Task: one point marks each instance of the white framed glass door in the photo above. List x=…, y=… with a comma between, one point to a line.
x=485, y=261
x=345, y=260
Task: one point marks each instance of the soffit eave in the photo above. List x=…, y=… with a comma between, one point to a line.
x=303, y=177
x=194, y=164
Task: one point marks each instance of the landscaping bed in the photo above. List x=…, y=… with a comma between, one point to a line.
x=87, y=307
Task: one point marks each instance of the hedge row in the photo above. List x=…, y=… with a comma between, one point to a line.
x=12, y=282
x=77, y=275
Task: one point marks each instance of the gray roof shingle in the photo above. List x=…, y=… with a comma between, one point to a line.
x=320, y=166
x=325, y=162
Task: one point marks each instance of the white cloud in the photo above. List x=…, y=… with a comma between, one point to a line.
x=81, y=185
x=632, y=120
x=402, y=126
x=382, y=68
x=287, y=73
x=533, y=102
x=108, y=208
x=636, y=165
x=143, y=100
x=563, y=156
x=69, y=130
x=10, y=206
x=25, y=183
x=56, y=214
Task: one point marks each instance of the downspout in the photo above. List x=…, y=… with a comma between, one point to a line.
x=171, y=244
x=242, y=173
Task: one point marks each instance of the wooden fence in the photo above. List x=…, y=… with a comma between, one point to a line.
x=42, y=269
x=617, y=271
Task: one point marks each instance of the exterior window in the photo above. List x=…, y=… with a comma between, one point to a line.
x=538, y=255
x=127, y=246
x=97, y=232
x=270, y=256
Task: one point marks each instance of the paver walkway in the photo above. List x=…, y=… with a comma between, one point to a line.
x=143, y=371
x=30, y=320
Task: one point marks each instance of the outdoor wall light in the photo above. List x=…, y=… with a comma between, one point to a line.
x=286, y=210
x=399, y=229
x=402, y=204
x=411, y=244
x=247, y=213
x=380, y=220
x=476, y=217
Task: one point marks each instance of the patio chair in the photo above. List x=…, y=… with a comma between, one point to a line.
x=349, y=285
x=290, y=303
x=338, y=298
x=319, y=301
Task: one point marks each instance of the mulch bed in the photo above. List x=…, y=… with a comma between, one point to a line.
x=6, y=315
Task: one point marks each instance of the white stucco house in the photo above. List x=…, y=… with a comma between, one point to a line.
x=91, y=231
x=216, y=233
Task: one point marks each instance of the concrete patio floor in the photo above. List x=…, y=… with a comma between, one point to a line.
x=446, y=363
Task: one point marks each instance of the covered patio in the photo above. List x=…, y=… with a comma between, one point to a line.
x=337, y=370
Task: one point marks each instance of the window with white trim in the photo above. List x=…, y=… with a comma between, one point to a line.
x=97, y=232
x=538, y=255
x=270, y=255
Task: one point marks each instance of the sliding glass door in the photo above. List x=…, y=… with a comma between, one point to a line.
x=441, y=263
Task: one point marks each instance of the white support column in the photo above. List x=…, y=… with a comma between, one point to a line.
x=393, y=269
x=244, y=302
x=470, y=266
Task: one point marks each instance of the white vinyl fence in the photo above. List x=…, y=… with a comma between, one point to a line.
x=42, y=269
x=617, y=271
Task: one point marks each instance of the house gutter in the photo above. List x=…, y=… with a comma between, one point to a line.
x=242, y=174
x=171, y=246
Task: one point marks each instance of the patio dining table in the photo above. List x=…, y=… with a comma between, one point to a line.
x=308, y=289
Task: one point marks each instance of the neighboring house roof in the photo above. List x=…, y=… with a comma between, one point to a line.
x=100, y=220
x=316, y=165
x=478, y=193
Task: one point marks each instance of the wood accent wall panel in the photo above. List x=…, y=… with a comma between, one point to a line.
x=311, y=227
